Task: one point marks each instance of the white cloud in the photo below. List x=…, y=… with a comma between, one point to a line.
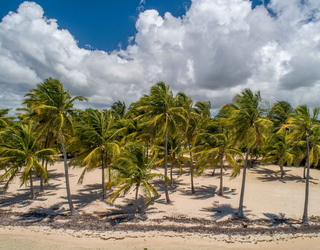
x=214, y=51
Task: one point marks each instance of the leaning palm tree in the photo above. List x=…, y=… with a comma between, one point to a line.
x=19, y=149
x=134, y=171
x=301, y=125
x=245, y=117
x=54, y=105
x=165, y=117
x=95, y=140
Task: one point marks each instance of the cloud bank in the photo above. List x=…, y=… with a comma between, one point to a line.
x=212, y=52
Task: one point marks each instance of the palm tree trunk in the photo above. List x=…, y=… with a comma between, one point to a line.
x=221, y=177
x=282, y=173
x=147, y=152
x=171, y=167
x=31, y=186
x=240, y=211
x=304, y=172
x=137, y=204
x=191, y=166
x=72, y=209
x=41, y=177
x=213, y=171
x=166, y=167
x=103, y=185
x=306, y=201
x=251, y=158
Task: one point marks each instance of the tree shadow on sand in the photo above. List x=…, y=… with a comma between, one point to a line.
x=86, y=195
x=267, y=175
x=23, y=197
x=126, y=212
x=201, y=193
x=277, y=220
x=223, y=210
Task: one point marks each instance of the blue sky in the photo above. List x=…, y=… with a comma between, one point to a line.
x=102, y=24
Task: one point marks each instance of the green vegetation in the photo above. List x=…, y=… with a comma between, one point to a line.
x=159, y=130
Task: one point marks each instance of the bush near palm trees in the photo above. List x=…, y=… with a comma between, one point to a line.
x=19, y=149
x=50, y=102
x=134, y=171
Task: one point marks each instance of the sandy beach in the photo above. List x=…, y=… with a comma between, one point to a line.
x=273, y=208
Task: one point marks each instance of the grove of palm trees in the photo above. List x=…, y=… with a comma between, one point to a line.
x=159, y=147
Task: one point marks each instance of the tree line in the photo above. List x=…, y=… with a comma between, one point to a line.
x=159, y=129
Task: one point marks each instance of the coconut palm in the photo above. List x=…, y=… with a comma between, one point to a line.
x=165, y=117
x=95, y=140
x=279, y=149
x=280, y=111
x=175, y=153
x=19, y=149
x=214, y=150
x=119, y=108
x=314, y=151
x=301, y=125
x=54, y=105
x=4, y=119
x=192, y=129
x=134, y=171
x=245, y=117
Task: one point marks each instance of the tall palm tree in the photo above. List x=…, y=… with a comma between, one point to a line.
x=19, y=149
x=160, y=107
x=95, y=139
x=245, y=117
x=192, y=129
x=301, y=125
x=134, y=170
x=52, y=103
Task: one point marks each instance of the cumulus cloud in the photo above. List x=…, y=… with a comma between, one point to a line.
x=212, y=52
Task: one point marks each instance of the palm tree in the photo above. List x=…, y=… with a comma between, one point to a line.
x=244, y=116
x=215, y=149
x=4, y=119
x=279, y=149
x=52, y=103
x=133, y=170
x=119, y=108
x=165, y=117
x=186, y=102
x=95, y=139
x=20, y=149
x=280, y=111
x=175, y=153
x=301, y=125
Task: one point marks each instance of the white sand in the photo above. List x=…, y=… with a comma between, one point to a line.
x=266, y=196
